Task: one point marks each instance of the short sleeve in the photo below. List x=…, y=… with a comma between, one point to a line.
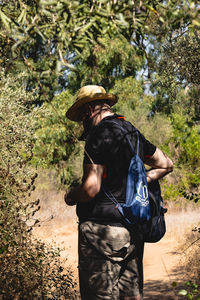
x=148, y=148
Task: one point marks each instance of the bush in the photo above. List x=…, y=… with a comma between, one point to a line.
x=29, y=269
x=190, y=248
x=184, y=145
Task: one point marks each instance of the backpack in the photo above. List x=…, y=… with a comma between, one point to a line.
x=142, y=207
x=154, y=229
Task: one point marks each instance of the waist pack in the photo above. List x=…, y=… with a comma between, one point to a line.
x=142, y=207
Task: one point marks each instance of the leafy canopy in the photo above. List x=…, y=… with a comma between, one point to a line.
x=52, y=38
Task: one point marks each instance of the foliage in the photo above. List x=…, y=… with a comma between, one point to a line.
x=51, y=38
x=29, y=269
x=177, y=95
x=136, y=106
x=184, y=50
x=129, y=92
x=191, y=292
x=17, y=127
x=187, y=139
x=186, y=142
x=170, y=192
x=183, y=146
x=56, y=137
x=109, y=60
x=178, y=70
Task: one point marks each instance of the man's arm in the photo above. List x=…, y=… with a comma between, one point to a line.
x=161, y=165
x=91, y=184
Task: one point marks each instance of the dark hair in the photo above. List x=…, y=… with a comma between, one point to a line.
x=102, y=101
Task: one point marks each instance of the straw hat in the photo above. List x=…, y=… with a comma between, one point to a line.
x=87, y=94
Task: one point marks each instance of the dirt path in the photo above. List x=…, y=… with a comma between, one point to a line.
x=161, y=260
x=161, y=268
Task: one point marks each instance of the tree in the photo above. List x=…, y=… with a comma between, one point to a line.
x=178, y=69
x=54, y=38
x=176, y=87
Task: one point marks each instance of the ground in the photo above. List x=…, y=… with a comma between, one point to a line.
x=162, y=260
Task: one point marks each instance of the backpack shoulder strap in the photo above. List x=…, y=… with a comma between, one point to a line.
x=106, y=191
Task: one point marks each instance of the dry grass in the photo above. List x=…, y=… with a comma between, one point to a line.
x=181, y=218
x=191, y=250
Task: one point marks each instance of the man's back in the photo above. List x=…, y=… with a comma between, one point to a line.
x=107, y=145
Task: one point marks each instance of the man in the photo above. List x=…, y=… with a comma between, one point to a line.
x=110, y=255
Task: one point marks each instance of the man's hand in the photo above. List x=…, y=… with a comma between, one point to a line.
x=68, y=198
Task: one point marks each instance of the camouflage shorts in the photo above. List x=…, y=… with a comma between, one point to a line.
x=110, y=262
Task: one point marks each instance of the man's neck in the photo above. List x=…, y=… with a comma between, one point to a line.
x=100, y=115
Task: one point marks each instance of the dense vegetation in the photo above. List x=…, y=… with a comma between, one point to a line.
x=147, y=52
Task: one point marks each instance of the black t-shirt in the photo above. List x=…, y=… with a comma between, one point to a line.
x=107, y=145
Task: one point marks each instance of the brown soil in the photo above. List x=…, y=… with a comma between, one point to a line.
x=162, y=261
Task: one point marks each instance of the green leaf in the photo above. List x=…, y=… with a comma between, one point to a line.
x=161, y=20
x=196, y=23
x=182, y=293
x=48, y=2
x=5, y=20
x=22, y=17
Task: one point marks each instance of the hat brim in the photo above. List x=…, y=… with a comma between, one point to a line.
x=75, y=112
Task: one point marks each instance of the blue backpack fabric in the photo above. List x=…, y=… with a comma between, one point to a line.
x=136, y=208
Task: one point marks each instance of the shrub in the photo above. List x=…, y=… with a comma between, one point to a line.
x=190, y=247
x=29, y=269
